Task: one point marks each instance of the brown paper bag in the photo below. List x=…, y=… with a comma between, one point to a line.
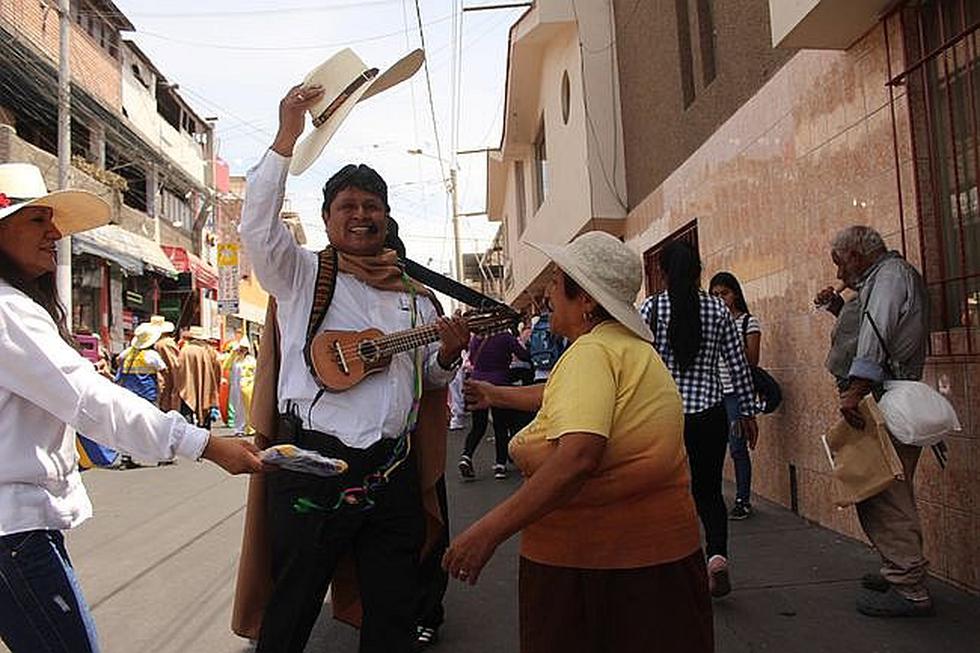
x=863, y=460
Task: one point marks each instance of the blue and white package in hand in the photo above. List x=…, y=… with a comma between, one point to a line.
x=916, y=414
x=291, y=457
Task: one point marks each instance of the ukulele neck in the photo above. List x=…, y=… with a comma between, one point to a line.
x=402, y=341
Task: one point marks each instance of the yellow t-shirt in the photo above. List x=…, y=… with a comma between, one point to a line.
x=636, y=510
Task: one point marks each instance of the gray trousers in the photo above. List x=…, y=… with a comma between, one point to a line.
x=890, y=519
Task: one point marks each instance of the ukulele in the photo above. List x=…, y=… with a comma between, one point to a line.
x=342, y=359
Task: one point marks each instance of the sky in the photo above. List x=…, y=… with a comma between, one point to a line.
x=236, y=59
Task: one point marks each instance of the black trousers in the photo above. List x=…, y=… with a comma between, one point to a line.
x=433, y=579
x=501, y=432
x=385, y=540
x=706, y=441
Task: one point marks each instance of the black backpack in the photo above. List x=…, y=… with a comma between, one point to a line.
x=766, y=387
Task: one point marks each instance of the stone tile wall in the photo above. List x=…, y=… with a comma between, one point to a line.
x=812, y=152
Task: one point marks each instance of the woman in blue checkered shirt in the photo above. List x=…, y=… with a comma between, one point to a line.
x=692, y=332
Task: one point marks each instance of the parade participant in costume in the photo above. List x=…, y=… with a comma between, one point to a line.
x=166, y=346
x=139, y=364
x=374, y=512
x=241, y=369
x=47, y=390
x=200, y=377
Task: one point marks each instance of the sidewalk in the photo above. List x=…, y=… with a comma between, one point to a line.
x=795, y=585
x=794, y=590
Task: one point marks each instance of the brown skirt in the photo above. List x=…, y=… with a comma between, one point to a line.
x=659, y=609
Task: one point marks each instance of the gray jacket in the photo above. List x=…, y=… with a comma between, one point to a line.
x=893, y=295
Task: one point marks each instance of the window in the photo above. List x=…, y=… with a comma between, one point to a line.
x=706, y=34
x=175, y=209
x=651, y=258
x=943, y=86
x=540, y=167
x=520, y=194
x=684, y=50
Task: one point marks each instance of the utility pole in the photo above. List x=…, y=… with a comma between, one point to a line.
x=64, y=150
x=457, y=246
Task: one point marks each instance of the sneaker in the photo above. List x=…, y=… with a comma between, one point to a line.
x=425, y=637
x=875, y=583
x=466, y=468
x=500, y=472
x=741, y=510
x=891, y=603
x=719, y=583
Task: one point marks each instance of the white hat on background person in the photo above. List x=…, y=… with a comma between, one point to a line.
x=145, y=335
x=609, y=271
x=165, y=325
x=22, y=185
x=346, y=80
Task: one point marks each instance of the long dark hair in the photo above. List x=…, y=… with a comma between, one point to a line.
x=728, y=280
x=681, y=269
x=43, y=290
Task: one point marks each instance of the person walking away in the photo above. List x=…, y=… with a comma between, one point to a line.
x=199, y=391
x=140, y=364
x=166, y=346
x=457, y=407
x=889, y=318
x=692, y=332
x=491, y=356
x=610, y=553
x=242, y=365
x=545, y=347
x=47, y=391
x=726, y=287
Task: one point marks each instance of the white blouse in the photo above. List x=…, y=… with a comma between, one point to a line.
x=47, y=391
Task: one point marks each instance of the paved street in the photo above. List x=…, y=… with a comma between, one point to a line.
x=158, y=565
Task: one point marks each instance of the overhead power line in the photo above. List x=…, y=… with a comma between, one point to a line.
x=244, y=12
x=282, y=48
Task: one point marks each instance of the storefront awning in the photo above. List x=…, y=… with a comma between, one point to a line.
x=132, y=252
x=184, y=261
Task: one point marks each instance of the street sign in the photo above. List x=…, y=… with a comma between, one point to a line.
x=227, y=278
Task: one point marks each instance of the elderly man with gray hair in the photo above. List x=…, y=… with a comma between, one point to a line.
x=890, y=344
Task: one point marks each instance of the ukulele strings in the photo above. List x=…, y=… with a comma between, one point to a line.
x=418, y=337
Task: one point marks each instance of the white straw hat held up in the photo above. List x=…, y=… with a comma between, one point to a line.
x=346, y=80
x=609, y=271
x=22, y=185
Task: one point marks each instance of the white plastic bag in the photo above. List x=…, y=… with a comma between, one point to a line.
x=916, y=414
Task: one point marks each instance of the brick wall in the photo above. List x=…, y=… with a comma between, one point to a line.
x=36, y=23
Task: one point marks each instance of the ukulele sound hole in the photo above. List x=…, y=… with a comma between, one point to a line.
x=369, y=351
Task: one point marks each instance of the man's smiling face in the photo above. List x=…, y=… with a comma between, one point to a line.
x=356, y=222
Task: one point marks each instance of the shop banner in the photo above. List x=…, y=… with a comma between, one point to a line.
x=227, y=278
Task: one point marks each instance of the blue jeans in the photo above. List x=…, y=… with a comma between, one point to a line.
x=738, y=447
x=41, y=604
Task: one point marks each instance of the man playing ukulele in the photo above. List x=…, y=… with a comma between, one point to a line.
x=374, y=509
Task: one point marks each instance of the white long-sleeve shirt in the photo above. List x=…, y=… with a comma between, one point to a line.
x=47, y=391
x=378, y=406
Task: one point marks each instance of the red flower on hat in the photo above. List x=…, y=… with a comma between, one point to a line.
x=4, y=201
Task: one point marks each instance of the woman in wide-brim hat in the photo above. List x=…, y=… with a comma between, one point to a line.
x=140, y=363
x=47, y=391
x=610, y=551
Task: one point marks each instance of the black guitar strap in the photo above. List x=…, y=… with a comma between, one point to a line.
x=448, y=286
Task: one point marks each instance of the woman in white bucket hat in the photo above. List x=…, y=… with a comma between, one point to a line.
x=610, y=551
x=47, y=390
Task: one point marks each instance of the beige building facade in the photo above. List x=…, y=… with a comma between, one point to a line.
x=759, y=152
x=560, y=168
